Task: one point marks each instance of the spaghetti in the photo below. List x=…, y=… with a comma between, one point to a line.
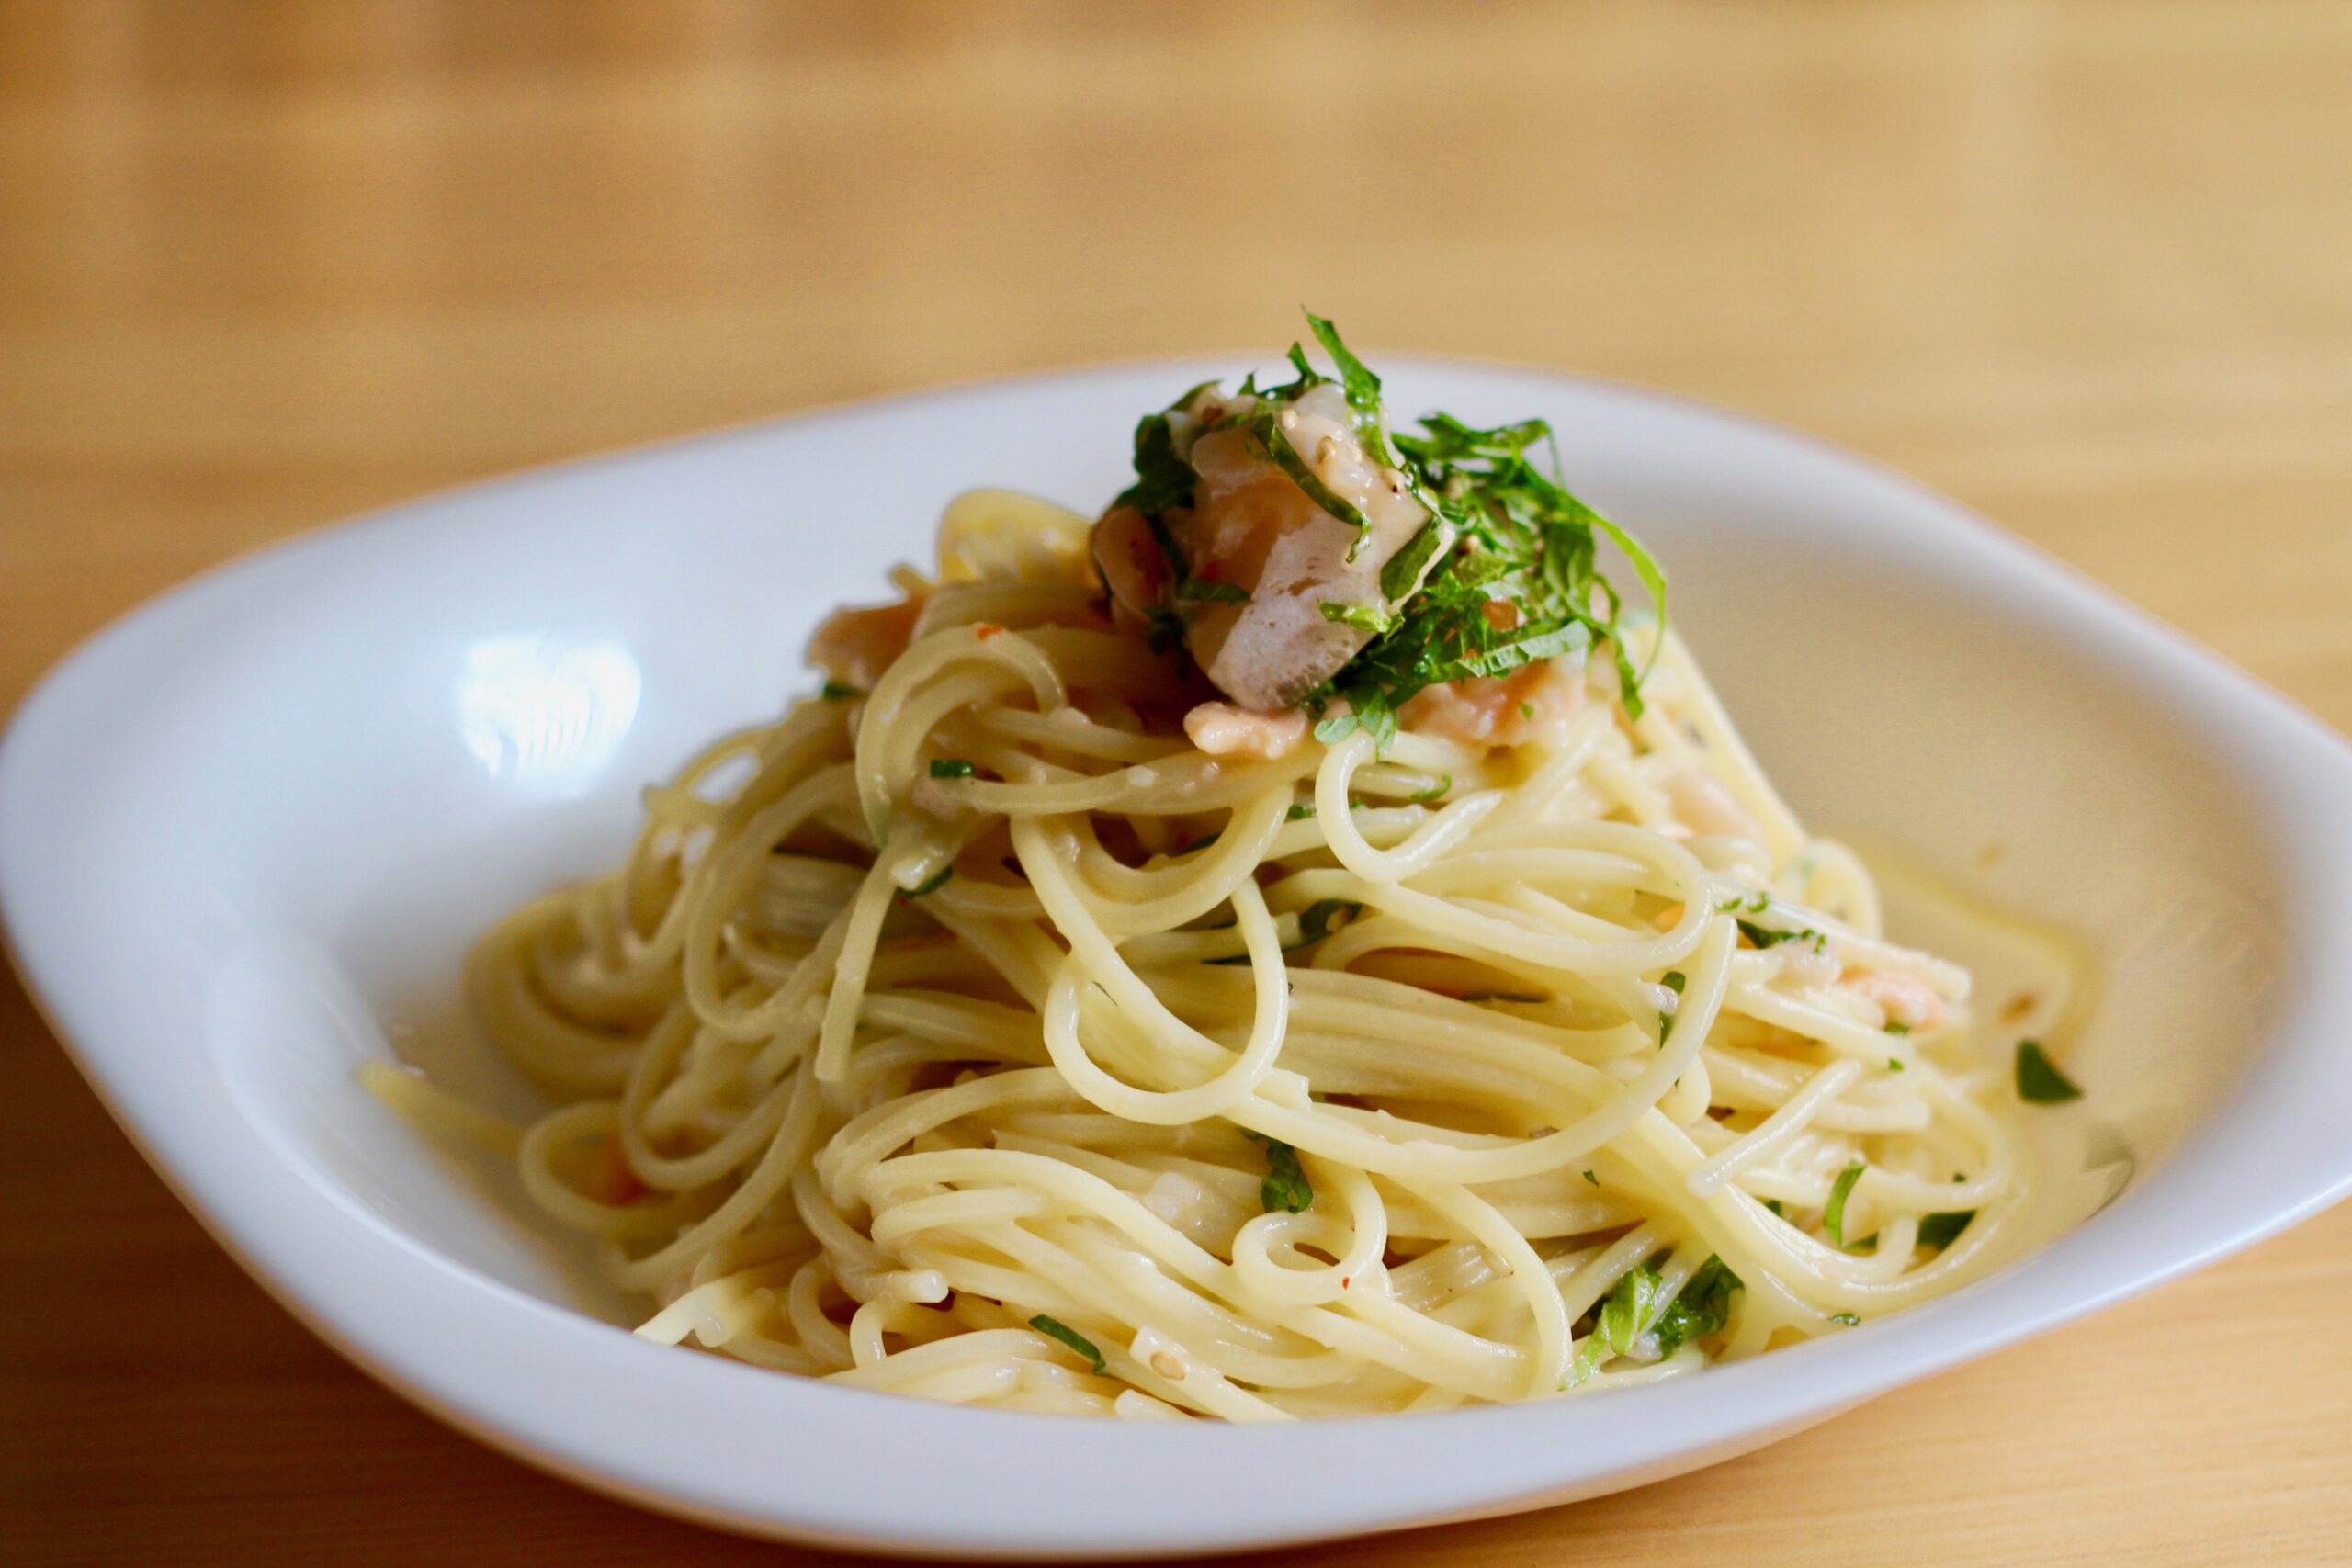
x=1025, y=1023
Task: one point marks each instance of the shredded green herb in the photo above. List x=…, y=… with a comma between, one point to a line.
x=1763, y=937
x=1894, y=1064
x=1298, y=813
x=1674, y=981
x=1594, y=1180
x=838, y=692
x=1284, y=1191
x=1210, y=588
x=1502, y=526
x=1163, y=478
x=1626, y=1310
x=1753, y=904
x=950, y=767
x=1069, y=1337
x=1701, y=1307
x=1898, y=1029
x=2039, y=1080
x=1435, y=792
x=1369, y=618
x=1941, y=1230
x=1324, y=916
x=1833, y=1218
x=1631, y=1311
x=1847, y=1318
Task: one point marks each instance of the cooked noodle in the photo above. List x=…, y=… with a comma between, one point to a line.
x=1548, y=1046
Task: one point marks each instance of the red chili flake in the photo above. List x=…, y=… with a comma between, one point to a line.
x=985, y=631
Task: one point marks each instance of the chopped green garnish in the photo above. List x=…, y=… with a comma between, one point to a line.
x=1774, y=1205
x=931, y=884
x=1409, y=566
x=1324, y=916
x=1435, y=792
x=1285, y=1190
x=1762, y=937
x=1527, y=710
x=1194, y=845
x=1594, y=1180
x=1369, y=618
x=1298, y=813
x=1753, y=904
x=1847, y=1318
x=2039, y=1080
x=1701, y=1307
x=1941, y=1231
x=1361, y=385
x=1626, y=1311
x=1894, y=1064
x=1069, y=1337
x=1267, y=436
x=1674, y=981
x=1501, y=526
x=1898, y=1029
x=1833, y=1218
x=1631, y=1310
x=838, y=692
x=1209, y=588
x=1369, y=711
x=1163, y=478
x=950, y=767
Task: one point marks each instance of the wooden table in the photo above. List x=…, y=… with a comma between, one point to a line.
x=2088, y=268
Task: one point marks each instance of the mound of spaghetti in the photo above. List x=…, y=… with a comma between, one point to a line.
x=1295, y=946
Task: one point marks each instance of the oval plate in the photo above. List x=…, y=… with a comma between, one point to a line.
x=246, y=834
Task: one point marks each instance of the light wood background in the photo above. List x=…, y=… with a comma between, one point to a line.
x=2087, y=267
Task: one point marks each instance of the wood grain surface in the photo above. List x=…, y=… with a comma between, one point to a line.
x=2087, y=267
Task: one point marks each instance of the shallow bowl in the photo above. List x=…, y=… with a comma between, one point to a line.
x=247, y=834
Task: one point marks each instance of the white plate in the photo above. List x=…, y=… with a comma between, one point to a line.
x=247, y=834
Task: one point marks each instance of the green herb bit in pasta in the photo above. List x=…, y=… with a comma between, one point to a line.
x=1940, y=1230
x=1833, y=1218
x=1763, y=937
x=1325, y=916
x=1286, y=1189
x=2039, y=1080
x=1069, y=1337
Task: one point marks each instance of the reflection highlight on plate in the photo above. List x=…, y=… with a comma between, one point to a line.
x=545, y=710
